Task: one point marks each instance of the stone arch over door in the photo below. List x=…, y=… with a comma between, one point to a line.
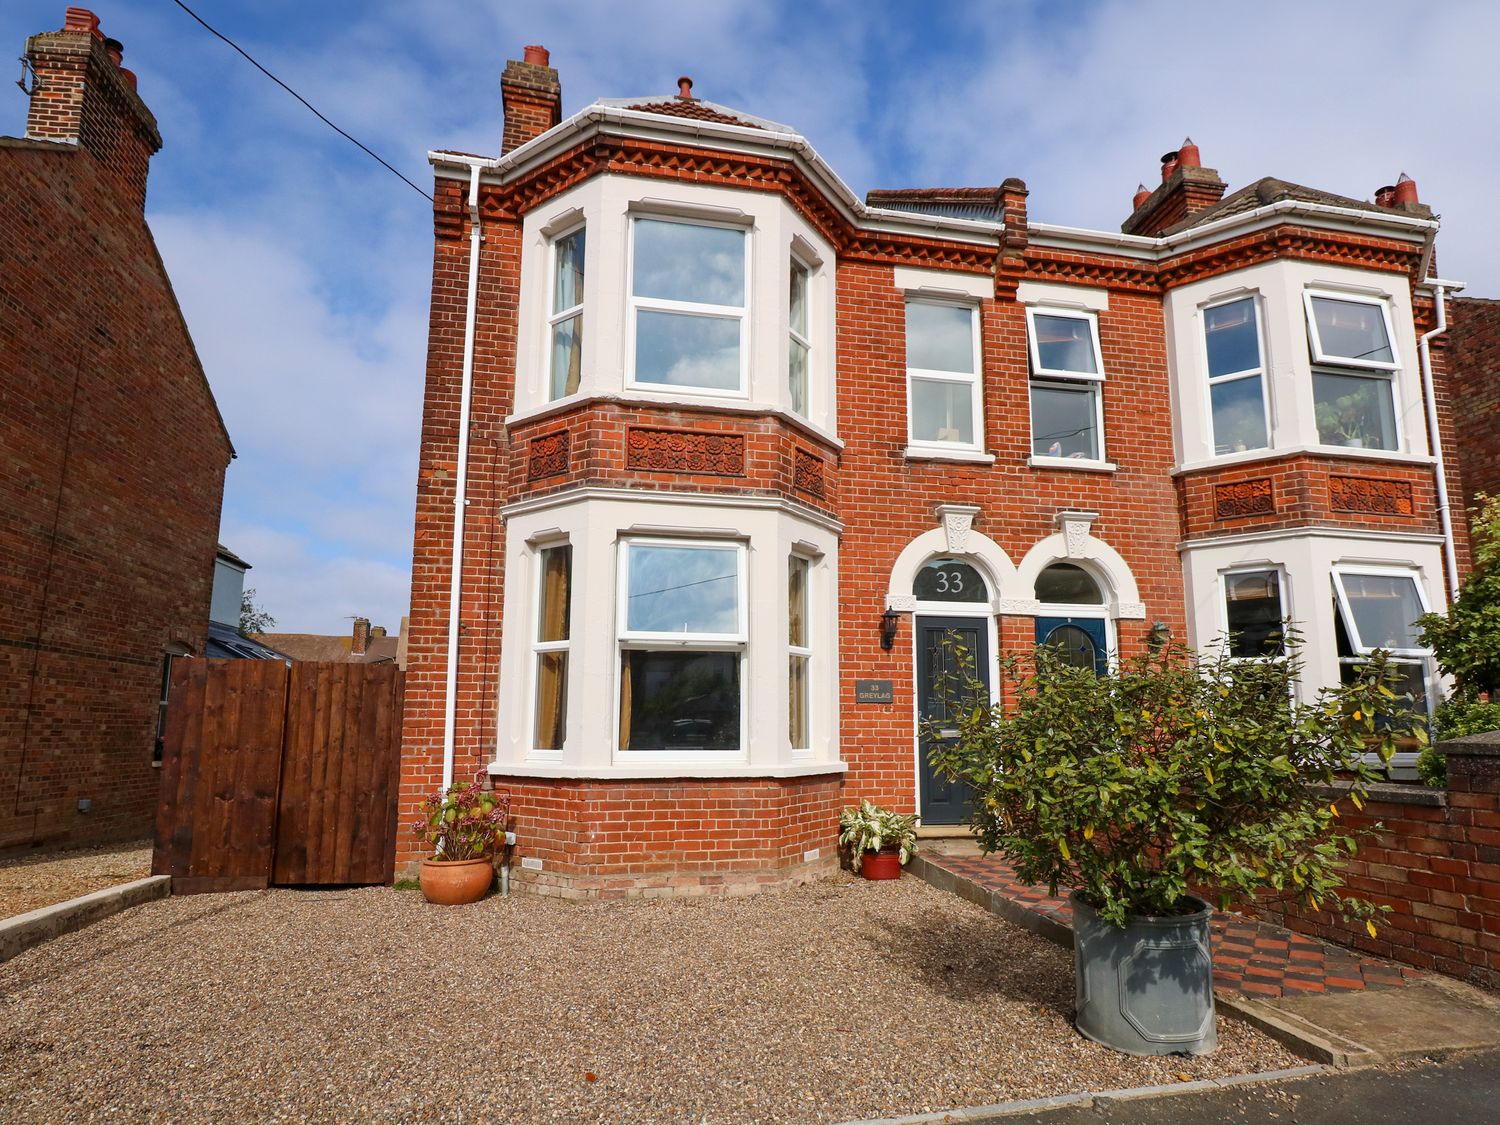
x=953, y=536
x=1076, y=544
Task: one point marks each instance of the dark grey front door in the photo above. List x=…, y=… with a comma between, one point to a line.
x=944, y=801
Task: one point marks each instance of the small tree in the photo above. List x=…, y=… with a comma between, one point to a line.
x=1466, y=640
x=1170, y=773
x=253, y=619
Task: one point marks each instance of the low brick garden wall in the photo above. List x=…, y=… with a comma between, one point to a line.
x=1435, y=861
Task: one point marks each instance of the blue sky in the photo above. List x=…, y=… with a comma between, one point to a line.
x=303, y=266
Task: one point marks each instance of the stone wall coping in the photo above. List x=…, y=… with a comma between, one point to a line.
x=1486, y=745
x=1394, y=793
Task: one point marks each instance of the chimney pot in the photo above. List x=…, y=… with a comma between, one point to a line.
x=685, y=87
x=81, y=19
x=116, y=50
x=1406, y=189
x=1168, y=165
x=536, y=54
x=1385, y=196
x=1142, y=193
x=1187, y=155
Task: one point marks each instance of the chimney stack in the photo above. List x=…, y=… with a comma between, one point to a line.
x=1186, y=189
x=361, y=638
x=532, y=97
x=83, y=96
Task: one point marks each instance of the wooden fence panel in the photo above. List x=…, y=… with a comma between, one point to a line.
x=221, y=768
x=337, y=820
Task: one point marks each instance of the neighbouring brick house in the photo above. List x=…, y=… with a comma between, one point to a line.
x=727, y=451
x=1476, y=383
x=112, y=456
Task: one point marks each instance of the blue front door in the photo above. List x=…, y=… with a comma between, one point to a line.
x=1081, y=640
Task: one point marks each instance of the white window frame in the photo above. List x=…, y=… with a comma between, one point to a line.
x=804, y=651
x=540, y=647
x=740, y=313
x=1422, y=657
x=1322, y=359
x=556, y=316
x=804, y=339
x=1093, y=382
x=1284, y=586
x=1258, y=372
x=737, y=642
x=974, y=380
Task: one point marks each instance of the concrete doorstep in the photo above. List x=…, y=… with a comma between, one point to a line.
x=20, y=933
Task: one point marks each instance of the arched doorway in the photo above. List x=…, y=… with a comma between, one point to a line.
x=953, y=612
x=1072, y=615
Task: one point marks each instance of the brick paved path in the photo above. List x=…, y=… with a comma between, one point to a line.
x=1250, y=957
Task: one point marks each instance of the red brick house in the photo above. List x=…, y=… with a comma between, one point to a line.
x=715, y=453
x=113, y=461
x=1476, y=383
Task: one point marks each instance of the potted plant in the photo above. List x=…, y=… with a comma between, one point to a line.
x=882, y=840
x=462, y=828
x=1173, y=773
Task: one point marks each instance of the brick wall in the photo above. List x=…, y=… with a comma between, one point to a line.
x=1435, y=861
x=1475, y=379
x=110, y=486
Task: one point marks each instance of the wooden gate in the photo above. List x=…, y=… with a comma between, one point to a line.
x=278, y=775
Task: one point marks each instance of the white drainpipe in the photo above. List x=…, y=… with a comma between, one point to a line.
x=460, y=487
x=1424, y=352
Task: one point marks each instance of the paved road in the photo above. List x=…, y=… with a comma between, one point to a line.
x=1462, y=1091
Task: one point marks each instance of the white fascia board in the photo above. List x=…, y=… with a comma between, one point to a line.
x=1315, y=531
x=602, y=118
x=747, y=501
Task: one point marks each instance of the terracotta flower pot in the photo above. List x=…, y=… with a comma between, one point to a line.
x=881, y=865
x=454, y=882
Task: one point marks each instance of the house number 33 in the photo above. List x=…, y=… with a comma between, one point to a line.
x=950, y=582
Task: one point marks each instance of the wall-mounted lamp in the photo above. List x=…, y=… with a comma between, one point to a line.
x=890, y=621
x=1158, y=636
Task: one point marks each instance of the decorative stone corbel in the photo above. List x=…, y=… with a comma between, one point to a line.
x=1075, y=526
x=957, y=520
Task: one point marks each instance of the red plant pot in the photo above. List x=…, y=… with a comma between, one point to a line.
x=455, y=882
x=881, y=865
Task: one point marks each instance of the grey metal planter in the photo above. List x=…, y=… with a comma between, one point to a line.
x=1146, y=989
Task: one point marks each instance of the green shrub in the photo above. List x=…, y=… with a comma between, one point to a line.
x=1172, y=772
x=1466, y=640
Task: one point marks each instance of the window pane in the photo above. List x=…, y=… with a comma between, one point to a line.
x=551, y=700
x=1351, y=329
x=796, y=602
x=798, y=298
x=1064, y=421
x=796, y=369
x=679, y=700
x=683, y=590
x=567, y=355
x=939, y=337
x=1067, y=584
x=1354, y=410
x=557, y=578
x=1233, y=343
x=568, y=285
x=797, y=702
x=1385, y=609
x=948, y=580
x=687, y=262
x=942, y=411
x=1239, y=415
x=1065, y=343
x=678, y=350
x=1409, y=684
x=1074, y=646
x=1252, y=604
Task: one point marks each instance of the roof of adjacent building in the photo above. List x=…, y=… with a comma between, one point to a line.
x=1268, y=190
x=227, y=642
x=982, y=203
x=335, y=649
x=230, y=557
x=695, y=109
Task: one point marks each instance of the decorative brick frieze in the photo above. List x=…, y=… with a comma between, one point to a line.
x=1365, y=494
x=549, y=455
x=685, y=451
x=807, y=473
x=1244, y=498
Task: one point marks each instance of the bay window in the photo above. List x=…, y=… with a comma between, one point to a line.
x=682, y=638
x=799, y=652
x=688, y=311
x=1067, y=372
x=1236, y=375
x=798, y=343
x=1379, y=610
x=550, y=649
x=1354, y=366
x=942, y=375
x=566, y=322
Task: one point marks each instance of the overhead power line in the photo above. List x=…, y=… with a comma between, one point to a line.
x=352, y=140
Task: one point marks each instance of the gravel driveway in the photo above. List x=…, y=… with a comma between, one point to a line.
x=35, y=879
x=837, y=1000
